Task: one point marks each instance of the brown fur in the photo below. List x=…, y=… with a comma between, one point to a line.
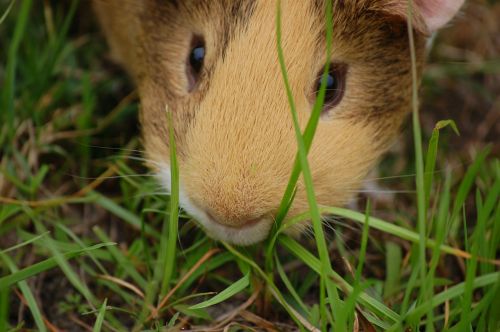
x=234, y=132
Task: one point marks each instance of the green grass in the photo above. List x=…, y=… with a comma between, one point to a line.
x=88, y=241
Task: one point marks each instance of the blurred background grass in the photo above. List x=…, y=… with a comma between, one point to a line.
x=68, y=121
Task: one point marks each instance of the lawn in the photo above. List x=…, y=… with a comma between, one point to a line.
x=90, y=242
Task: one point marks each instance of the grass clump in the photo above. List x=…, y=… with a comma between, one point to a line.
x=89, y=242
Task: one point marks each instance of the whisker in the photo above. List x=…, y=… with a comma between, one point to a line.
x=144, y=160
x=339, y=238
x=390, y=177
x=309, y=232
x=330, y=227
x=142, y=195
x=109, y=148
x=363, y=191
x=344, y=224
x=112, y=177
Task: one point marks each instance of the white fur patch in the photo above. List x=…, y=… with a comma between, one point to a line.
x=239, y=236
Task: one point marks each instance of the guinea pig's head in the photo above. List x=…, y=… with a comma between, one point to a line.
x=214, y=65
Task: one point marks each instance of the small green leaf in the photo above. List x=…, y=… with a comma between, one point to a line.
x=444, y=123
x=174, y=318
x=235, y=288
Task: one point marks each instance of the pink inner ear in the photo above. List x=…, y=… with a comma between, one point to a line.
x=436, y=13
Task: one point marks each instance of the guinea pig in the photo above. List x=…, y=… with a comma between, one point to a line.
x=214, y=65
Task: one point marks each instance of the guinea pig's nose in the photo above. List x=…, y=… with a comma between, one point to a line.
x=234, y=220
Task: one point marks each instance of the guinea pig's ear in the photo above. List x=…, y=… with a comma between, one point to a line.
x=428, y=15
x=436, y=13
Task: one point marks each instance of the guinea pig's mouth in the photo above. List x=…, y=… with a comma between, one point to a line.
x=248, y=223
x=252, y=232
x=247, y=234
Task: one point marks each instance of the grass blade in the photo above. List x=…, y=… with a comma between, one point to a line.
x=230, y=291
x=44, y=265
x=453, y=292
x=422, y=200
x=430, y=159
x=297, y=318
x=174, y=211
x=100, y=317
x=396, y=230
x=9, y=85
x=346, y=314
x=289, y=286
x=124, y=214
x=24, y=243
x=7, y=11
x=311, y=197
x=28, y=295
x=379, y=308
x=4, y=307
x=122, y=260
x=464, y=189
x=393, y=269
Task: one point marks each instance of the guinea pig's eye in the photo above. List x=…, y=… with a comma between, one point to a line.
x=335, y=85
x=195, y=61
